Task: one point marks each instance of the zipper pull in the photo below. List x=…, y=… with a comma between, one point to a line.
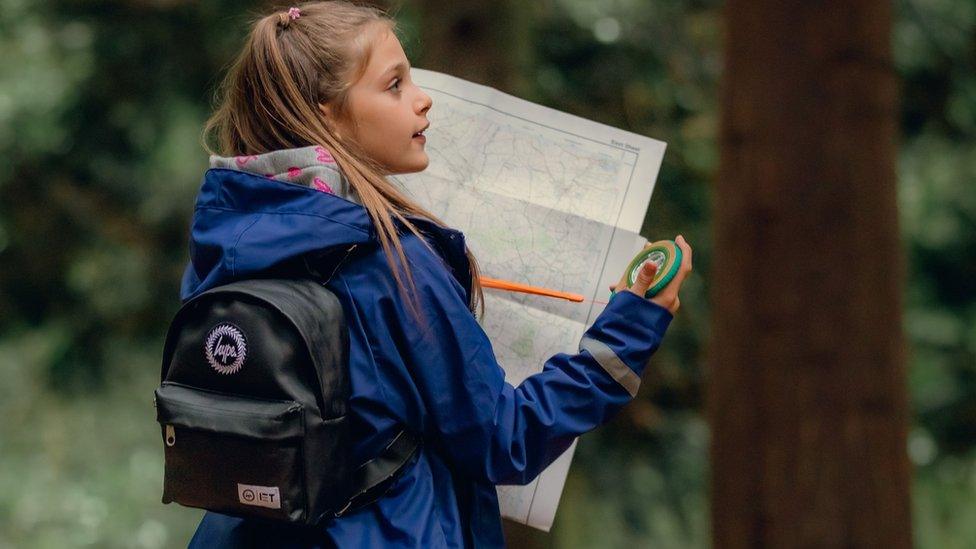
x=170, y=435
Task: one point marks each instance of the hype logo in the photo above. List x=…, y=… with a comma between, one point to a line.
x=226, y=348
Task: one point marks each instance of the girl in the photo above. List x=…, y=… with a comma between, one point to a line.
x=314, y=114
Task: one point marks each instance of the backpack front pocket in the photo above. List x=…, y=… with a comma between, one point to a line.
x=232, y=454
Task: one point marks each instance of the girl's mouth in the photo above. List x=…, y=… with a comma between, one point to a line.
x=420, y=135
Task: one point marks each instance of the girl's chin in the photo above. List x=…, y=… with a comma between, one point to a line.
x=421, y=162
x=415, y=165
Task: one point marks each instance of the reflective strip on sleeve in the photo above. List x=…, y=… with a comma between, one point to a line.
x=606, y=358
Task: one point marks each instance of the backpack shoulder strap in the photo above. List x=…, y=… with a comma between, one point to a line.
x=371, y=480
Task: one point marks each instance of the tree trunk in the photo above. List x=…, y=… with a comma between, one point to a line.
x=484, y=42
x=807, y=395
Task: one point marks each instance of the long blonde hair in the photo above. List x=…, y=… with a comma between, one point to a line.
x=270, y=97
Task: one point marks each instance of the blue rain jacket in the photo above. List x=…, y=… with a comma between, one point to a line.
x=438, y=377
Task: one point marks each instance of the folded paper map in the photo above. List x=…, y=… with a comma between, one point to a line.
x=544, y=198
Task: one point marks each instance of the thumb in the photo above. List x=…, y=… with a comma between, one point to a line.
x=644, y=278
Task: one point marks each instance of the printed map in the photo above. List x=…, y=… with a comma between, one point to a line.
x=544, y=198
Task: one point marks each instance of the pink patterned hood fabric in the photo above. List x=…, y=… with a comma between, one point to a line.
x=311, y=166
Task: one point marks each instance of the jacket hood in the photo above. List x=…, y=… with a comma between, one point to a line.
x=254, y=213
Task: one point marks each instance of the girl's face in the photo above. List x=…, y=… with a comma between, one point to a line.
x=386, y=110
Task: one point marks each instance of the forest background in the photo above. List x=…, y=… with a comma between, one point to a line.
x=101, y=105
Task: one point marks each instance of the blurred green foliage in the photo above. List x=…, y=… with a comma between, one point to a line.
x=101, y=104
x=935, y=52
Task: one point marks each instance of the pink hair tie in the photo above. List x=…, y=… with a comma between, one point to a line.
x=294, y=13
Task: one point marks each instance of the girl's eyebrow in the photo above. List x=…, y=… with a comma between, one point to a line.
x=399, y=66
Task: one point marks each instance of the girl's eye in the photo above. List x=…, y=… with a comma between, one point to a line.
x=396, y=85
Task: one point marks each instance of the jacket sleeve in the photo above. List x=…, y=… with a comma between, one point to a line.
x=486, y=427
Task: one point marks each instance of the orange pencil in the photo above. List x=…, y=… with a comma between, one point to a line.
x=526, y=289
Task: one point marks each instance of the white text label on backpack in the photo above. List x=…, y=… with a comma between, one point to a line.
x=259, y=496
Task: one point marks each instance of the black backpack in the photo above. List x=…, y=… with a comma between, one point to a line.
x=252, y=406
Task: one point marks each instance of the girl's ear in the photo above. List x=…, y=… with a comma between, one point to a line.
x=326, y=110
x=330, y=118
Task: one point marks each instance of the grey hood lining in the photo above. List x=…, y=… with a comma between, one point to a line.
x=312, y=166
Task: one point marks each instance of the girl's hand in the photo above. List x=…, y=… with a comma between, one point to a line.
x=668, y=296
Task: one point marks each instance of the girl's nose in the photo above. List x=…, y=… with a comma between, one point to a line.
x=424, y=103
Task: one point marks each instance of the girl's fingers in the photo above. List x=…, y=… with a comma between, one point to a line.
x=686, y=253
x=686, y=267
x=644, y=278
x=668, y=297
